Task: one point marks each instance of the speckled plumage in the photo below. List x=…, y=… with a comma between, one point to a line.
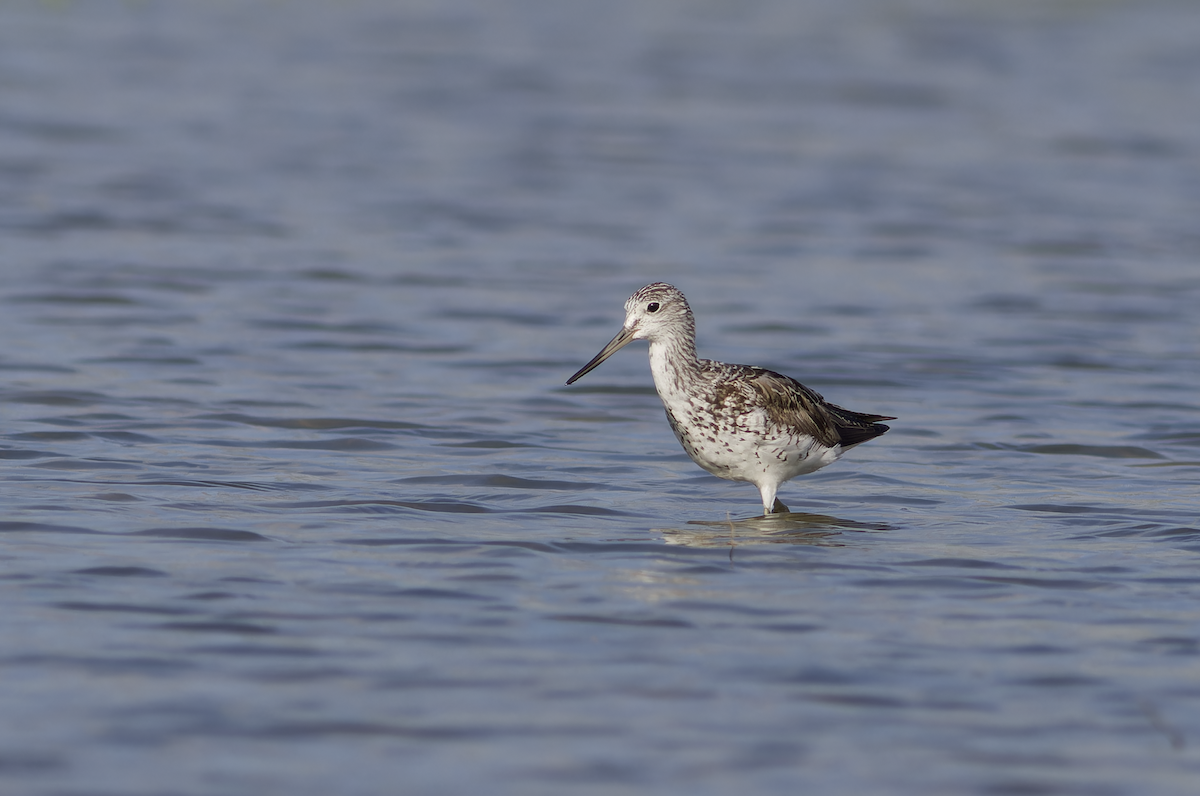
x=736, y=421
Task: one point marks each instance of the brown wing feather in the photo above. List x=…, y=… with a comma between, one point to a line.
x=792, y=405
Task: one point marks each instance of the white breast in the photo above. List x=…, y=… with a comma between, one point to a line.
x=744, y=447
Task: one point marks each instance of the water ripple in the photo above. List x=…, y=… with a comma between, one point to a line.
x=202, y=534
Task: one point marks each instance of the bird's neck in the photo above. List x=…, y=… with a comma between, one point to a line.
x=674, y=364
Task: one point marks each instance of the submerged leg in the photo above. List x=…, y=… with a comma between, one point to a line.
x=771, y=504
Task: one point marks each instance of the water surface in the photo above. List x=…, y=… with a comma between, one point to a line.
x=295, y=499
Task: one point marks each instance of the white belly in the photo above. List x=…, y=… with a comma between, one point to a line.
x=747, y=447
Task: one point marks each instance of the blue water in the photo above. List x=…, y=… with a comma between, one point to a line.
x=294, y=500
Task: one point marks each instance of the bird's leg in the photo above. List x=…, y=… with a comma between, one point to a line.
x=771, y=504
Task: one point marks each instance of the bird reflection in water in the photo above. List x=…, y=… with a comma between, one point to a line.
x=795, y=527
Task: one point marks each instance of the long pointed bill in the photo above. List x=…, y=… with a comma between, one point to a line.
x=623, y=338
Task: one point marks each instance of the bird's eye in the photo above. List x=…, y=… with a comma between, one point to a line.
x=652, y=306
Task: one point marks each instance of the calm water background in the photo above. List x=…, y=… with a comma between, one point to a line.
x=294, y=499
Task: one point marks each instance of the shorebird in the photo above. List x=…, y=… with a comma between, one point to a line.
x=738, y=422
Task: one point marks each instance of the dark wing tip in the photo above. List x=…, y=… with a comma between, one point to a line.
x=854, y=435
x=857, y=427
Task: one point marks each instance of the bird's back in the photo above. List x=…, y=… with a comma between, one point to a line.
x=790, y=405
